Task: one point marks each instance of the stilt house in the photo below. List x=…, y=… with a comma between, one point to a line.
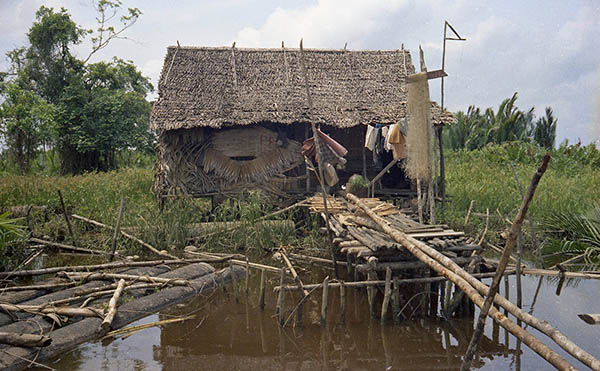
x=231, y=119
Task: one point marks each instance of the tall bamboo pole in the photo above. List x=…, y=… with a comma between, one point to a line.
x=467, y=283
x=316, y=142
x=510, y=244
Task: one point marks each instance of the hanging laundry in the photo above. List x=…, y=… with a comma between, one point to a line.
x=370, y=138
x=397, y=142
x=331, y=154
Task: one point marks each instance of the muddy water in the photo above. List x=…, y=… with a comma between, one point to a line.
x=230, y=335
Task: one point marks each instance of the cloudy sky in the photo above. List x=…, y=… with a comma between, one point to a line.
x=547, y=51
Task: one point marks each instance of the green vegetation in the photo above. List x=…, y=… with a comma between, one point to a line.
x=571, y=185
x=476, y=129
x=77, y=114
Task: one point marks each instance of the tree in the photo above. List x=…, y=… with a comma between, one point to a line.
x=101, y=112
x=26, y=122
x=544, y=133
x=96, y=109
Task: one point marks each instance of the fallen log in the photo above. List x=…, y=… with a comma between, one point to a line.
x=126, y=235
x=130, y=277
x=363, y=268
x=63, y=246
x=69, y=292
x=115, y=265
x=61, y=311
x=70, y=336
x=591, y=319
x=38, y=324
x=112, y=308
x=546, y=272
x=425, y=253
x=24, y=340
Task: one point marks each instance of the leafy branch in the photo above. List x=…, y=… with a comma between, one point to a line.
x=107, y=11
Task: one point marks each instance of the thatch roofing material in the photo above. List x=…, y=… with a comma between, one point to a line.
x=208, y=87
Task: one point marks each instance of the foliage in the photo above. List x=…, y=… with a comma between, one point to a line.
x=476, y=129
x=10, y=230
x=26, y=123
x=575, y=232
x=96, y=109
x=571, y=183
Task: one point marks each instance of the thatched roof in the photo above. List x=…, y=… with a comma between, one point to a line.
x=212, y=87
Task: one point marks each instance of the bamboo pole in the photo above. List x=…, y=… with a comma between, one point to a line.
x=381, y=283
x=324, y=302
x=464, y=281
x=67, y=247
x=24, y=340
x=386, y=295
x=62, y=311
x=371, y=292
x=64, y=209
x=112, y=307
x=592, y=319
x=342, y=303
x=106, y=266
x=126, y=235
x=261, y=297
x=281, y=300
x=130, y=277
x=320, y=176
x=117, y=230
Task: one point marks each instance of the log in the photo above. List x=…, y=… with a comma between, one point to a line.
x=24, y=340
x=209, y=229
x=130, y=277
x=67, y=247
x=64, y=209
x=422, y=251
x=125, y=234
x=68, y=337
x=592, y=319
x=61, y=311
x=112, y=308
x=67, y=293
x=107, y=266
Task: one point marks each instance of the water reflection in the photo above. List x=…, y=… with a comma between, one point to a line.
x=226, y=335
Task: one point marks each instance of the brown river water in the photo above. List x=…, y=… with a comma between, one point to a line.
x=230, y=335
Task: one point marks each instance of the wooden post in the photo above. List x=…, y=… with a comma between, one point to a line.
x=324, y=301
x=247, y=277
x=64, y=209
x=261, y=297
x=280, y=303
x=396, y=300
x=117, y=231
x=371, y=292
x=349, y=267
x=342, y=303
x=510, y=244
x=233, y=283
x=387, y=293
x=419, y=201
x=442, y=166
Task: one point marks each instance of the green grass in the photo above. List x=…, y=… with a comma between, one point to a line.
x=98, y=195
x=571, y=184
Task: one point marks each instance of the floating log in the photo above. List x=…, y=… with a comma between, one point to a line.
x=112, y=308
x=69, y=292
x=464, y=281
x=70, y=336
x=61, y=311
x=126, y=235
x=592, y=319
x=24, y=340
x=106, y=266
x=130, y=277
